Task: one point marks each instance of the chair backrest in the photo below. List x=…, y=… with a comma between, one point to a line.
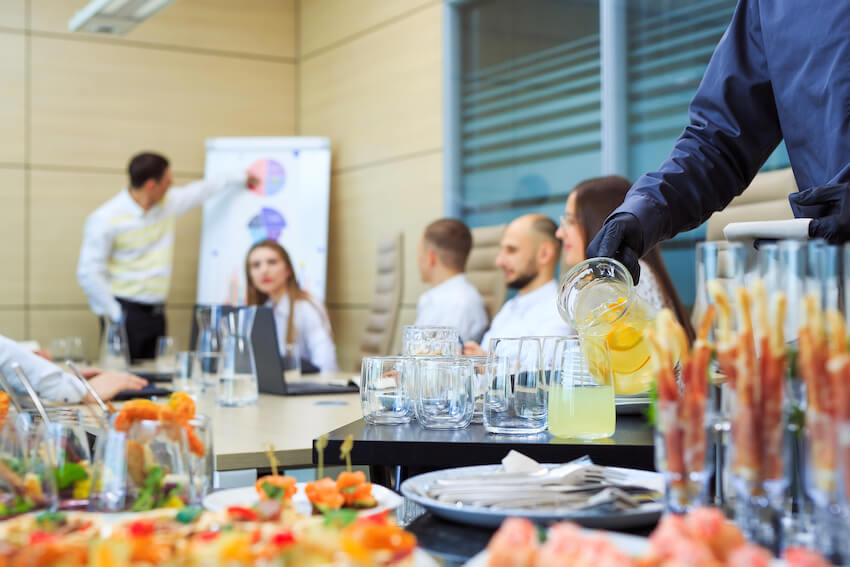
x=386, y=303
x=765, y=199
x=481, y=270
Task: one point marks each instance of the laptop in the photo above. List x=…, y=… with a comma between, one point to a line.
x=270, y=365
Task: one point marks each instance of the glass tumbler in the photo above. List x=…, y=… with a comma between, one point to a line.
x=237, y=372
x=430, y=341
x=515, y=397
x=445, y=396
x=386, y=389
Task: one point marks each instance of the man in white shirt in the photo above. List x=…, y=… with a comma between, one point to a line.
x=453, y=301
x=52, y=383
x=128, y=243
x=529, y=256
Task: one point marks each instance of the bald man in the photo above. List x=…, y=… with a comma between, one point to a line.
x=528, y=256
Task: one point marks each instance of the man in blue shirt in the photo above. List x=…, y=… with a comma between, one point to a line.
x=781, y=71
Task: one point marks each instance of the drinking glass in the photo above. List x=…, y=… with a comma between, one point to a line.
x=27, y=483
x=186, y=379
x=201, y=457
x=430, y=341
x=386, y=389
x=77, y=350
x=115, y=349
x=444, y=392
x=208, y=345
x=581, y=391
x=482, y=367
x=141, y=469
x=237, y=372
x=515, y=397
x=292, y=363
x=166, y=354
x=60, y=349
x=64, y=440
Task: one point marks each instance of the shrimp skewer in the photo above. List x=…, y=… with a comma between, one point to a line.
x=745, y=461
x=838, y=371
x=727, y=347
x=695, y=394
x=772, y=368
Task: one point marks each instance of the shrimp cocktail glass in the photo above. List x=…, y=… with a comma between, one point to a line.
x=597, y=298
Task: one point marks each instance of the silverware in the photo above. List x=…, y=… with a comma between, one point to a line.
x=31, y=391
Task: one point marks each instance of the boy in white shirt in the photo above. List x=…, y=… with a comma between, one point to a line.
x=453, y=301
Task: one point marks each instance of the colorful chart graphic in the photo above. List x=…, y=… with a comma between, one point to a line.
x=271, y=175
x=268, y=223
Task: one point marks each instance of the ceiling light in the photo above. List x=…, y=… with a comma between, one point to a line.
x=115, y=17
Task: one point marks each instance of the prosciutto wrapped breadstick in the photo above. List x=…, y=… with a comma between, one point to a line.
x=727, y=346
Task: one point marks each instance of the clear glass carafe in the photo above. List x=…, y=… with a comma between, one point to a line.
x=208, y=345
x=237, y=372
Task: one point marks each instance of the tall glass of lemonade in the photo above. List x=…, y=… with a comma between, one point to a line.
x=598, y=298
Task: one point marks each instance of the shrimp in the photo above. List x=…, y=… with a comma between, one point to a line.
x=727, y=348
x=514, y=544
x=745, y=461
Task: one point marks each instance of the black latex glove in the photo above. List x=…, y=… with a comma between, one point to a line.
x=620, y=238
x=829, y=208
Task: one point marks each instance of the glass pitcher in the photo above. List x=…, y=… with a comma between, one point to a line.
x=597, y=297
x=115, y=347
x=237, y=373
x=208, y=346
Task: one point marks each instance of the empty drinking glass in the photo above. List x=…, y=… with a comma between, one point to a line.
x=482, y=367
x=581, y=391
x=77, y=350
x=431, y=341
x=166, y=353
x=237, y=372
x=444, y=392
x=515, y=397
x=185, y=377
x=386, y=389
x=60, y=349
x=292, y=363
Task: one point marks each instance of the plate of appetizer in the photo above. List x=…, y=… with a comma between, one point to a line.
x=579, y=491
x=701, y=537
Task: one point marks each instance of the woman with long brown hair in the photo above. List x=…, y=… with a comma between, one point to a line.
x=299, y=319
x=588, y=205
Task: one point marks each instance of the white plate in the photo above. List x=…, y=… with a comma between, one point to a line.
x=416, y=488
x=633, y=546
x=247, y=496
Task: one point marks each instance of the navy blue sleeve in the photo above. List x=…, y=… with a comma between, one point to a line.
x=734, y=127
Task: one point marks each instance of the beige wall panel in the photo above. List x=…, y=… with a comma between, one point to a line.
x=12, y=260
x=378, y=96
x=179, y=325
x=324, y=22
x=405, y=195
x=13, y=14
x=48, y=324
x=348, y=324
x=12, y=324
x=187, y=244
x=95, y=104
x=60, y=203
x=12, y=97
x=261, y=27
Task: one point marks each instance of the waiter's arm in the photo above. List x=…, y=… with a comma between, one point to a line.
x=734, y=127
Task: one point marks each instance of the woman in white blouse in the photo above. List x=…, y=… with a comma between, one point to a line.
x=299, y=319
x=588, y=205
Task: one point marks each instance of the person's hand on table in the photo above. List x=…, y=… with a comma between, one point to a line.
x=90, y=372
x=620, y=238
x=471, y=348
x=107, y=384
x=43, y=354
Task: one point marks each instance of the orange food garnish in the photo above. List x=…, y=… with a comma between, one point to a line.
x=364, y=538
x=324, y=494
x=4, y=406
x=179, y=410
x=346, y=479
x=287, y=483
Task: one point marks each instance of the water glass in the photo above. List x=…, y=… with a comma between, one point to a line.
x=60, y=349
x=166, y=354
x=581, y=391
x=115, y=348
x=444, y=392
x=208, y=345
x=186, y=378
x=201, y=457
x=386, y=384
x=430, y=341
x=515, y=398
x=237, y=372
x=292, y=363
x=77, y=350
x=482, y=367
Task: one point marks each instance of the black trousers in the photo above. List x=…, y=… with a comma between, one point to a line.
x=145, y=324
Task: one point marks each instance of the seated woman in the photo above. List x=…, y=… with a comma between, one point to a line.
x=299, y=319
x=588, y=205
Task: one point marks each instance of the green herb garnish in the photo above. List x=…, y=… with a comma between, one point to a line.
x=189, y=514
x=148, y=493
x=272, y=491
x=349, y=489
x=652, y=394
x=69, y=474
x=541, y=534
x=339, y=518
x=46, y=519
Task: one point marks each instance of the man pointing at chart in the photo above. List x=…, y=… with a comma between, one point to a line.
x=781, y=71
x=128, y=242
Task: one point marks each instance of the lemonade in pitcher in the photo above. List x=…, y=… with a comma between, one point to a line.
x=597, y=297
